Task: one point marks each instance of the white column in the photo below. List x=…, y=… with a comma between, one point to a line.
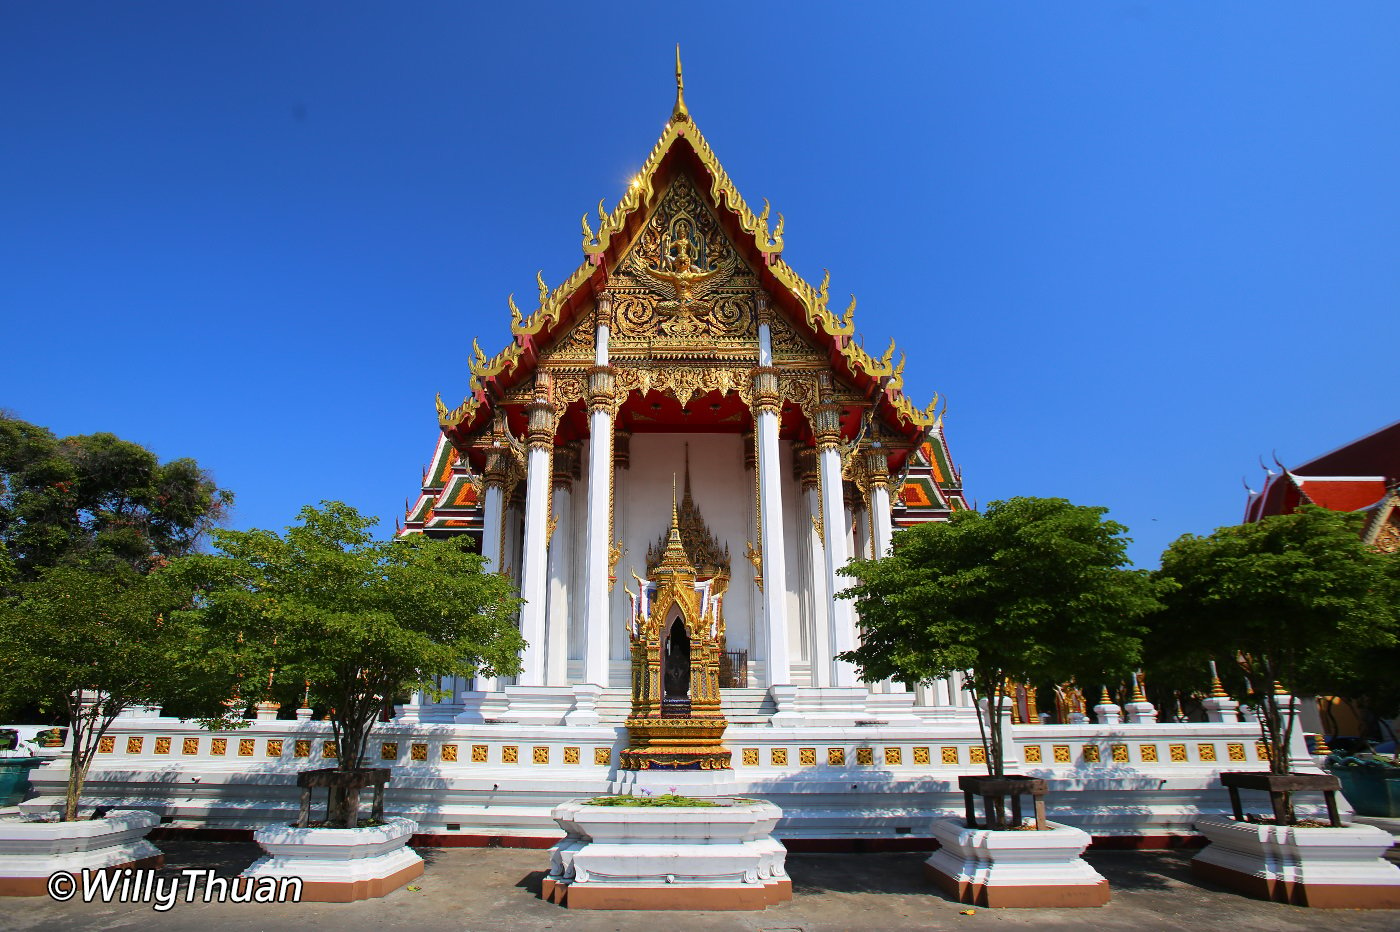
x=815, y=576
x=534, y=546
x=492, y=525
x=877, y=467
x=840, y=613
x=600, y=454
x=767, y=404
x=556, y=639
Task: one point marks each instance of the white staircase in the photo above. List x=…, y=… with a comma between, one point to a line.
x=748, y=706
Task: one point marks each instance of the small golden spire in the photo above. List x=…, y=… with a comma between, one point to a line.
x=1106, y=698
x=674, y=559
x=1216, y=690
x=679, y=112
x=1137, y=689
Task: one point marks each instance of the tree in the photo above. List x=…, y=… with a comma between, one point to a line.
x=98, y=498
x=1033, y=589
x=97, y=642
x=354, y=621
x=1296, y=600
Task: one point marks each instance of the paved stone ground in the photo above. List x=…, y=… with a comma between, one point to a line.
x=494, y=889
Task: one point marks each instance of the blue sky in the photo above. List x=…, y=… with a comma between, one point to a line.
x=1135, y=245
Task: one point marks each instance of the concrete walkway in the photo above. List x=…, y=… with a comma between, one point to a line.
x=489, y=889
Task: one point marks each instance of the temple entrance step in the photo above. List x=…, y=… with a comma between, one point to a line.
x=747, y=706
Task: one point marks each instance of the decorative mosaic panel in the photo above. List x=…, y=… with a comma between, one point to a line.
x=602, y=757
x=807, y=756
x=510, y=754
x=162, y=745
x=894, y=757
x=133, y=745
x=921, y=756
x=190, y=746
x=1206, y=752
x=301, y=747
x=950, y=755
x=274, y=747
x=418, y=751
x=389, y=750
x=449, y=753
x=1177, y=752
x=1118, y=753
x=865, y=756
x=1091, y=753
x=1261, y=750
x=218, y=746
x=479, y=753
x=1062, y=754
x=540, y=754
x=106, y=745
x=751, y=757
x=836, y=757
x=1148, y=753
x=245, y=747
x=1033, y=754
x=977, y=755
x=330, y=750
x=571, y=755
x=1234, y=751
x=777, y=757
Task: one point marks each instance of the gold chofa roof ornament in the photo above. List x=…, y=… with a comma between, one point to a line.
x=679, y=112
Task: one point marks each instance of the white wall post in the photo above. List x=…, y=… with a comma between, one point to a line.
x=601, y=403
x=534, y=547
x=840, y=612
x=767, y=404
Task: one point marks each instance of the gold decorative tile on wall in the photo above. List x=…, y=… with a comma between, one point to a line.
x=750, y=757
x=218, y=746
x=480, y=753
x=894, y=757
x=274, y=747
x=190, y=746
x=778, y=757
x=133, y=745
x=949, y=755
x=602, y=757
x=978, y=755
x=107, y=745
x=1261, y=750
x=1091, y=753
x=865, y=756
x=330, y=750
x=1234, y=751
x=571, y=755
x=1177, y=753
x=540, y=754
x=1119, y=753
x=162, y=745
x=836, y=757
x=301, y=747
x=807, y=756
x=1032, y=754
x=1062, y=754
x=1148, y=753
x=418, y=751
x=1206, y=752
x=389, y=750
x=245, y=747
x=449, y=753
x=921, y=756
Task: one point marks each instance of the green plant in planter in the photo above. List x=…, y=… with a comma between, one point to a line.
x=663, y=800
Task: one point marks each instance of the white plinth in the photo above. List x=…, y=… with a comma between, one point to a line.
x=629, y=857
x=1015, y=868
x=338, y=865
x=31, y=851
x=1324, y=867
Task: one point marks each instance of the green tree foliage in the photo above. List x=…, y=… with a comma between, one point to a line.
x=1293, y=599
x=353, y=621
x=97, y=498
x=97, y=642
x=1032, y=589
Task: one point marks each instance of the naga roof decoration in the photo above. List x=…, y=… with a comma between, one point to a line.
x=607, y=255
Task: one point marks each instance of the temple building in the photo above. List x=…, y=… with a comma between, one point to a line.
x=684, y=347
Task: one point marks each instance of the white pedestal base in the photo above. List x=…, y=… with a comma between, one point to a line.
x=339, y=865
x=31, y=851
x=1015, y=868
x=1325, y=867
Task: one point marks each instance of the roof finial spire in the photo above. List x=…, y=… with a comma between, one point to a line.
x=679, y=112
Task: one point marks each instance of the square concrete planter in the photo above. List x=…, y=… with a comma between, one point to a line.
x=1014, y=868
x=31, y=851
x=634, y=857
x=339, y=865
x=1341, y=868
